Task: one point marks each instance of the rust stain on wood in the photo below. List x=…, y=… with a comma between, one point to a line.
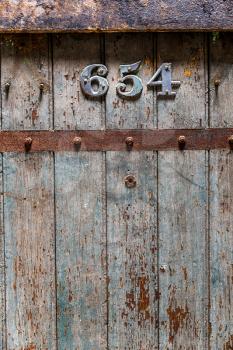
x=177, y=318
x=117, y=15
x=229, y=344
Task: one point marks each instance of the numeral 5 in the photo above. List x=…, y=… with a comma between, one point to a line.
x=127, y=73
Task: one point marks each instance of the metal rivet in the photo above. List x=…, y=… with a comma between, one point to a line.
x=181, y=141
x=130, y=181
x=217, y=82
x=230, y=140
x=7, y=88
x=100, y=71
x=77, y=141
x=28, y=143
x=163, y=268
x=7, y=85
x=129, y=141
x=41, y=86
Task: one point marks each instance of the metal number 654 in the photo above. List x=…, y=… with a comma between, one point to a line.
x=93, y=81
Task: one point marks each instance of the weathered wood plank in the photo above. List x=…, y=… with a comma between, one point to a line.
x=80, y=188
x=131, y=213
x=25, y=65
x=182, y=193
x=2, y=271
x=132, y=114
x=29, y=231
x=81, y=251
x=72, y=109
x=28, y=199
x=186, y=53
x=132, y=251
x=183, y=271
x=221, y=196
x=117, y=15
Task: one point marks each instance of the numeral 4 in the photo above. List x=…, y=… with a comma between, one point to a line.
x=163, y=79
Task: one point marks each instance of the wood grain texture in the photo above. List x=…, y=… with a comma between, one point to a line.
x=80, y=189
x=117, y=15
x=28, y=199
x=25, y=65
x=2, y=270
x=127, y=49
x=221, y=77
x=132, y=251
x=182, y=186
x=131, y=213
x=182, y=253
x=221, y=162
x=186, y=52
x=29, y=231
x=81, y=253
x=72, y=53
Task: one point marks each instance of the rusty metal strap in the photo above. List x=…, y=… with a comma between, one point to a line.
x=116, y=140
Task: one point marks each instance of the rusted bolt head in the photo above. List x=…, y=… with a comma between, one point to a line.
x=77, y=141
x=129, y=141
x=130, y=181
x=230, y=140
x=181, y=141
x=28, y=142
x=217, y=82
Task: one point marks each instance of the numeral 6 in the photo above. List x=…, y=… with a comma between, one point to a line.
x=127, y=78
x=92, y=80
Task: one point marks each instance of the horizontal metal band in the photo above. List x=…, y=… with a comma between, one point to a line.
x=115, y=140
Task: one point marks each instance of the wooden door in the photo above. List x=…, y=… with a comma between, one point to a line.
x=87, y=260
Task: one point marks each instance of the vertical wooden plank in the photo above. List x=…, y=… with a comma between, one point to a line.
x=132, y=248
x=80, y=189
x=221, y=196
x=28, y=199
x=25, y=65
x=130, y=114
x=182, y=193
x=131, y=213
x=72, y=53
x=2, y=271
x=81, y=251
x=2, y=258
x=29, y=228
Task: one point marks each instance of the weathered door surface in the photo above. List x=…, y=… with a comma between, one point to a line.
x=91, y=259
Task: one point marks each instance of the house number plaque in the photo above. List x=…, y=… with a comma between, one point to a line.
x=94, y=83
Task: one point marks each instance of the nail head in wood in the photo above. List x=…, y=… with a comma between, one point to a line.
x=7, y=85
x=130, y=181
x=217, y=82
